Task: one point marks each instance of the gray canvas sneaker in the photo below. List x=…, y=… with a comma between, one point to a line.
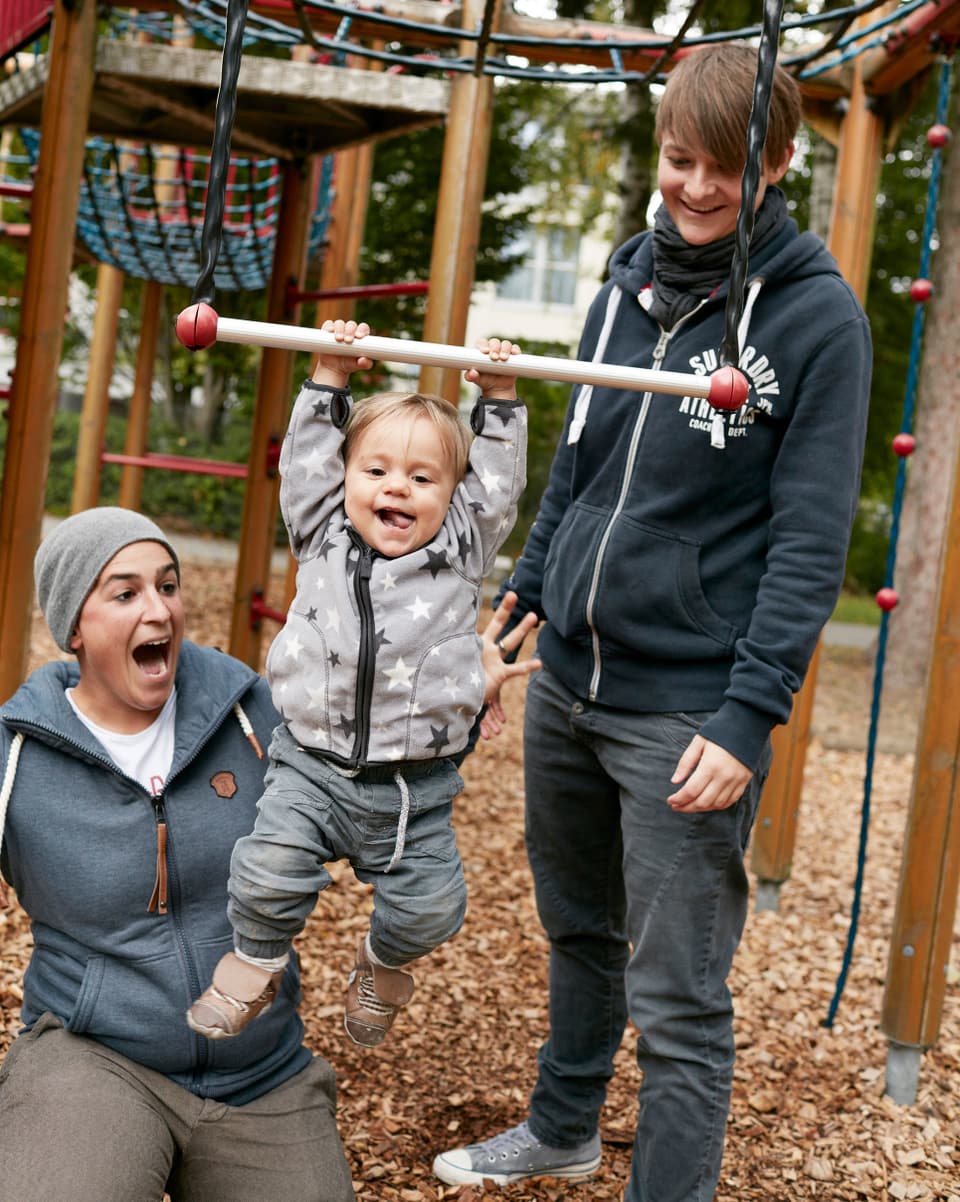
x=515, y=1155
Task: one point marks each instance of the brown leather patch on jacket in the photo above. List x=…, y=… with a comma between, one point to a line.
x=224, y=784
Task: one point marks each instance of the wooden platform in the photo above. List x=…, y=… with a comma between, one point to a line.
x=162, y=94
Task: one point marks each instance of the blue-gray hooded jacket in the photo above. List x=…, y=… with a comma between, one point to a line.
x=685, y=561
x=80, y=847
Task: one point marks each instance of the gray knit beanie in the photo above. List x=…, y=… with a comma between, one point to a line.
x=70, y=559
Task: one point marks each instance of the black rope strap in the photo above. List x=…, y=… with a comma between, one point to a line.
x=756, y=138
x=226, y=110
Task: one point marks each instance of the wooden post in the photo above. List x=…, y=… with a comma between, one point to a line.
x=930, y=868
x=138, y=418
x=56, y=191
x=341, y=263
x=96, y=396
x=775, y=833
x=851, y=241
x=456, y=234
x=274, y=386
x=348, y=215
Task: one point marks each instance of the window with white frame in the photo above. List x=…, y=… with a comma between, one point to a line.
x=548, y=273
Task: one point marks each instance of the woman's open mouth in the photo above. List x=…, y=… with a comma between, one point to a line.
x=152, y=658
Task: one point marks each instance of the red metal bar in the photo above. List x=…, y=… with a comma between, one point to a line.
x=179, y=463
x=259, y=609
x=355, y=291
x=16, y=190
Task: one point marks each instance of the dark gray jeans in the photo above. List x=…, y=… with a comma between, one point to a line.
x=644, y=909
x=81, y=1122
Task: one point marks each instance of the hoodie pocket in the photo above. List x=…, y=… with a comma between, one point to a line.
x=137, y=1008
x=647, y=596
x=650, y=596
x=568, y=568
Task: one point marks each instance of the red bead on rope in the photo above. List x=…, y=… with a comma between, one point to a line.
x=197, y=326
x=888, y=599
x=938, y=136
x=728, y=388
x=903, y=444
x=921, y=290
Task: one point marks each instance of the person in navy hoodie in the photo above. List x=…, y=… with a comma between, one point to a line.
x=127, y=776
x=684, y=562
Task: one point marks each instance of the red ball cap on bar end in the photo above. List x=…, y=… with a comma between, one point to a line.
x=728, y=388
x=197, y=326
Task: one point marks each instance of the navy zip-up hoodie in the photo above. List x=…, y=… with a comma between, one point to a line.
x=685, y=561
x=80, y=848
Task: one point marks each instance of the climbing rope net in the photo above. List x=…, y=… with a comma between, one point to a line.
x=141, y=210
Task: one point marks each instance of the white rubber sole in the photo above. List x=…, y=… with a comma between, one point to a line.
x=451, y=1173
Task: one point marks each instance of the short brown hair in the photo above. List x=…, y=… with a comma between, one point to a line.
x=453, y=433
x=708, y=98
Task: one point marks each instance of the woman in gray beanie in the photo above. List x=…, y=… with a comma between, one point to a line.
x=127, y=777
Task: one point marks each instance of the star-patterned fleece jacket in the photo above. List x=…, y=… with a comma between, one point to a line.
x=379, y=659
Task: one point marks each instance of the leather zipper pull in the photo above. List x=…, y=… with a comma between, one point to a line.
x=158, y=898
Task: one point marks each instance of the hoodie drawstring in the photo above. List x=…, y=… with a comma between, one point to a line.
x=6, y=789
x=247, y=727
x=719, y=422
x=582, y=407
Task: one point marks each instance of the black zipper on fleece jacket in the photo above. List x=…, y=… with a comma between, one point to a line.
x=366, y=659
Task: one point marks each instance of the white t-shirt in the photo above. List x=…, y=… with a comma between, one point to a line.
x=145, y=756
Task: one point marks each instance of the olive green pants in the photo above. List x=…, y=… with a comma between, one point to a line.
x=79, y=1122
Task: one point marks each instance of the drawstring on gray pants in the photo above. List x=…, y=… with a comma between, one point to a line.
x=402, y=823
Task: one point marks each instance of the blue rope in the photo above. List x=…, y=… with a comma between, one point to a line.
x=858, y=35
x=906, y=423
x=209, y=18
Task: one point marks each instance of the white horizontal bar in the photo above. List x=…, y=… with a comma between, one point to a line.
x=434, y=354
